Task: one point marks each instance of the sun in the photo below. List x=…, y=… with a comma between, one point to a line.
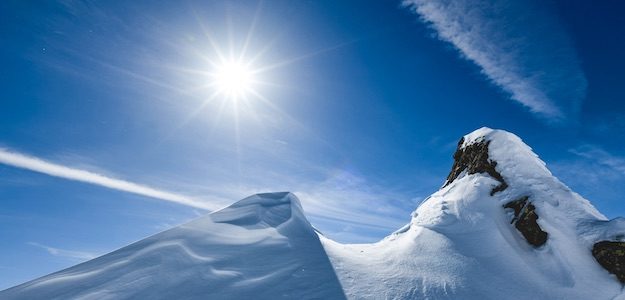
x=233, y=79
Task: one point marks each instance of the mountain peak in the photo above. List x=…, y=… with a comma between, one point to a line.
x=498, y=153
x=479, y=134
x=472, y=156
x=501, y=227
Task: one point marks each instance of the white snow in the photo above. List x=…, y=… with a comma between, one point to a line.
x=459, y=244
x=262, y=247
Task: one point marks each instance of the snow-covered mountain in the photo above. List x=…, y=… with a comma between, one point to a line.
x=261, y=247
x=501, y=227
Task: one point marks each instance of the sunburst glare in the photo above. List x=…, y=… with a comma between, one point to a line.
x=233, y=79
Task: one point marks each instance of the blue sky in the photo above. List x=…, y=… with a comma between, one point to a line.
x=357, y=109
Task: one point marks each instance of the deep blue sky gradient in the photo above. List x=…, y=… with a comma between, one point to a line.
x=366, y=103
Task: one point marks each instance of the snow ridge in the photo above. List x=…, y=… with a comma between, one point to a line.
x=501, y=227
x=261, y=247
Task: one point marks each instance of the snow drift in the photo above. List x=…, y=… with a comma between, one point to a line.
x=261, y=247
x=501, y=227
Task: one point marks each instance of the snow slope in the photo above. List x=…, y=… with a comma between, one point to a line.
x=501, y=227
x=261, y=247
x=460, y=243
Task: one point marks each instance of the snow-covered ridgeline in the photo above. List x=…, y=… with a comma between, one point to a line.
x=501, y=227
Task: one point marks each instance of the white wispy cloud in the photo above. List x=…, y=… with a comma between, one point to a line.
x=35, y=164
x=600, y=156
x=596, y=174
x=71, y=254
x=350, y=199
x=349, y=207
x=519, y=45
x=343, y=204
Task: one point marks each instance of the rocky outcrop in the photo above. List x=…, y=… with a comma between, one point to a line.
x=611, y=256
x=525, y=221
x=473, y=158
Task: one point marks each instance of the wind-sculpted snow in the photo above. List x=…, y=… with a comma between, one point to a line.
x=501, y=227
x=460, y=243
x=262, y=247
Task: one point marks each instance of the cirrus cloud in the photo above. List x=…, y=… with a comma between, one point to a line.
x=520, y=46
x=35, y=164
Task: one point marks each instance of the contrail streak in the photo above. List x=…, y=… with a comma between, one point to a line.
x=18, y=160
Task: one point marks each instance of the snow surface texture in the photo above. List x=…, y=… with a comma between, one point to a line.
x=459, y=244
x=261, y=247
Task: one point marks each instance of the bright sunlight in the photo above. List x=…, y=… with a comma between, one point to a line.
x=233, y=79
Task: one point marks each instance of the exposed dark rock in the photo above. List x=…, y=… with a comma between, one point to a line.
x=525, y=221
x=474, y=159
x=517, y=206
x=611, y=256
